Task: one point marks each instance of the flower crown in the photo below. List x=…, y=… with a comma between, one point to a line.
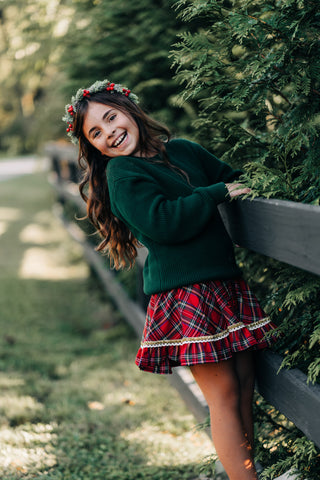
x=98, y=86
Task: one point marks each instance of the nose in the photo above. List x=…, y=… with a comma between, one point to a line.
x=111, y=132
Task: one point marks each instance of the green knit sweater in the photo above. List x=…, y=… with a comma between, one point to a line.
x=177, y=221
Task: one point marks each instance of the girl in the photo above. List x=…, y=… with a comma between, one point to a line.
x=143, y=188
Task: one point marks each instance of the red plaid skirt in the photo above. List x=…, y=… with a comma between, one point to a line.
x=202, y=323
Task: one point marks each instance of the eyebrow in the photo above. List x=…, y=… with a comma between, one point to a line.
x=103, y=118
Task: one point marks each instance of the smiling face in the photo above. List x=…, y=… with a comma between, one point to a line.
x=111, y=131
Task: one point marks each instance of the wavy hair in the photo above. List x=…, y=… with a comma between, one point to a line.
x=118, y=241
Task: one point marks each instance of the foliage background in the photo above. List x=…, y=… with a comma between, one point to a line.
x=50, y=48
x=253, y=68
x=254, y=71
x=246, y=86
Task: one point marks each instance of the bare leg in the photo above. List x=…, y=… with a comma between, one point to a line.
x=244, y=365
x=220, y=385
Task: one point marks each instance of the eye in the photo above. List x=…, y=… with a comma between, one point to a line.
x=96, y=133
x=112, y=117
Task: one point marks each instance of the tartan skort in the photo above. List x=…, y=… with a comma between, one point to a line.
x=202, y=323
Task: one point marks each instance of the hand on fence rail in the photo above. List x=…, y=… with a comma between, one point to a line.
x=236, y=189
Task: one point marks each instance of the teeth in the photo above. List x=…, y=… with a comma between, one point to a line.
x=120, y=139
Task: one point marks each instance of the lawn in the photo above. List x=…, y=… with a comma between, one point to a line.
x=73, y=405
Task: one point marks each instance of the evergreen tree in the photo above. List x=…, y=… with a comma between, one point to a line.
x=29, y=35
x=50, y=49
x=30, y=102
x=128, y=42
x=254, y=68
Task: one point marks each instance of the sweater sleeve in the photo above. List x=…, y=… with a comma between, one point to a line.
x=140, y=203
x=217, y=171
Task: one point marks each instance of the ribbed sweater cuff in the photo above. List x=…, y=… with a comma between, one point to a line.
x=218, y=192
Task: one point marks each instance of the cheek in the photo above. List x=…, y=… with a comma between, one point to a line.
x=100, y=147
x=100, y=142
x=136, y=131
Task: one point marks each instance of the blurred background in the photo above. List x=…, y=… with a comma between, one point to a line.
x=50, y=48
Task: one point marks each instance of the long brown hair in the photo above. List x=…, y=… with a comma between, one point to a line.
x=118, y=241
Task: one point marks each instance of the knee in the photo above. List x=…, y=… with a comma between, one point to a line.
x=219, y=384
x=225, y=395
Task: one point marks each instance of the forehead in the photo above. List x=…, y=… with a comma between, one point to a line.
x=96, y=110
x=94, y=115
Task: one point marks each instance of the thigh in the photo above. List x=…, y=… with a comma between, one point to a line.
x=218, y=381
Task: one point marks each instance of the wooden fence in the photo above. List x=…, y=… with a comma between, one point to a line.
x=286, y=231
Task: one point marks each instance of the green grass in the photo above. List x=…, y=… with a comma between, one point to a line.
x=73, y=405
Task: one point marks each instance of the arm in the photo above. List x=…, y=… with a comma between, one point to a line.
x=140, y=203
x=217, y=171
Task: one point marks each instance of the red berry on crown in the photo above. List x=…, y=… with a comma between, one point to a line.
x=82, y=93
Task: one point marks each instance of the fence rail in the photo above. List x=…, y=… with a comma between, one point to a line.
x=286, y=231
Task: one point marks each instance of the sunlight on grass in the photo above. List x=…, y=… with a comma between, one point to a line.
x=46, y=264
x=40, y=235
x=3, y=227
x=168, y=445
x=26, y=449
x=16, y=408
x=50, y=263
x=10, y=214
x=44, y=230
x=9, y=382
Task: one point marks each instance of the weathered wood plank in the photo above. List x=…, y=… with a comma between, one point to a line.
x=189, y=390
x=290, y=393
x=286, y=231
x=66, y=192
x=287, y=476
